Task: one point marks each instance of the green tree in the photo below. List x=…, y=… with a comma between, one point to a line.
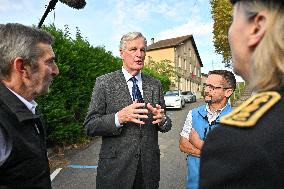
x=165, y=81
x=162, y=70
x=164, y=67
x=222, y=17
x=80, y=64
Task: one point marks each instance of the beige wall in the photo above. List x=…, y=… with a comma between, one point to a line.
x=185, y=61
x=161, y=54
x=187, y=64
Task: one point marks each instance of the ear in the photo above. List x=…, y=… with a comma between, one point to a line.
x=121, y=53
x=258, y=29
x=228, y=92
x=20, y=67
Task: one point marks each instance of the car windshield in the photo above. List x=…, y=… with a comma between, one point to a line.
x=187, y=93
x=171, y=93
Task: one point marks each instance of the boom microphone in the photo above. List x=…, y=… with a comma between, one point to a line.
x=76, y=4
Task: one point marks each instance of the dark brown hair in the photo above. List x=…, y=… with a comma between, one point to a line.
x=227, y=76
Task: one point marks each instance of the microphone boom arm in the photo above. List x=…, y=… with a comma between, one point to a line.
x=50, y=7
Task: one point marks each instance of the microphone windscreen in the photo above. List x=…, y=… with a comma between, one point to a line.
x=76, y=4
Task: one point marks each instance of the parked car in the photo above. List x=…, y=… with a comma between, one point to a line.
x=174, y=99
x=189, y=96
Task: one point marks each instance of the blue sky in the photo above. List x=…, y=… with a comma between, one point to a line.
x=103, y=22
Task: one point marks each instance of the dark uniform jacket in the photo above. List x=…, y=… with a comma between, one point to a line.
x=248, y=150
x=27, y=165
x=121, y=147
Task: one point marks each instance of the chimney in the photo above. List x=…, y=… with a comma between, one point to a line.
x=152, y=40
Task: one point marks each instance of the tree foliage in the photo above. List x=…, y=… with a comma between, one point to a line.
x=164, y=67
x=163, y=70
x=222, y=16
x=65, y=107
x=165, y=81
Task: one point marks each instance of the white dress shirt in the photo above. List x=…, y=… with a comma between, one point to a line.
x=127, y=77
x=31, y=105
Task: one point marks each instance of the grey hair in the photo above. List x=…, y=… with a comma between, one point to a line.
x=130, y=37
x=18, y=40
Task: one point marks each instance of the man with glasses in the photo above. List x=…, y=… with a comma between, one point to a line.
x=218, y=88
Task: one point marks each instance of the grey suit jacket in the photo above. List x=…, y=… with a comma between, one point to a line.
x=121, y=147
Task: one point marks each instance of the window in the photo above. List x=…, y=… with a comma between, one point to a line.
x=179, y=61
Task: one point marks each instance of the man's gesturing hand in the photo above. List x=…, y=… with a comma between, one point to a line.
x=133, y=113
x=159, y=114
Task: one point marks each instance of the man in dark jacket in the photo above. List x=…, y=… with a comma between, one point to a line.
x=27, y=68
x=247, y=151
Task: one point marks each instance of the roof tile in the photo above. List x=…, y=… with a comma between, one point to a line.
x=168, y=42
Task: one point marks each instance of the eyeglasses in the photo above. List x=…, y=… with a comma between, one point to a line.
x=213, y=88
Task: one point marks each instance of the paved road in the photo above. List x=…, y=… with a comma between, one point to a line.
x=81, y=172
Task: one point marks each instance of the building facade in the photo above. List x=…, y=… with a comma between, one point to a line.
x=184, y=57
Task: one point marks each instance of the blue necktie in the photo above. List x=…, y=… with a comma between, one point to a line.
x=136, y=94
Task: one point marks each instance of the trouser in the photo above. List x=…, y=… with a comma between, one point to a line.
x=138, y=182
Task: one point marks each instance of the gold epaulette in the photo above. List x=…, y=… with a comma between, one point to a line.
x=247, y=114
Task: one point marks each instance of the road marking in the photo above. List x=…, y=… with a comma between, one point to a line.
x=83, y=166
x=53, y=175
x=57, y=171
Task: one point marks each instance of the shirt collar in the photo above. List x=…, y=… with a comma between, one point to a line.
x=30, y=105
x=127, y=75
x=216, y=111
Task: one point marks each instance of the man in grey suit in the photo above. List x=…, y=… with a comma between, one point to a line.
x=127, y=110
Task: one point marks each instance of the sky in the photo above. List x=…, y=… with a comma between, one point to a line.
x=103, y=22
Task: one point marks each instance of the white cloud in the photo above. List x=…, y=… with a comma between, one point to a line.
x=183, y=18
x=129, y=15
x=193, y=27
x=174, y=10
